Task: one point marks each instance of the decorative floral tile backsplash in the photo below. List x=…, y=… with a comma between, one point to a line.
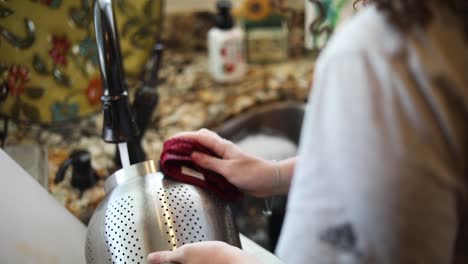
x=49, y=69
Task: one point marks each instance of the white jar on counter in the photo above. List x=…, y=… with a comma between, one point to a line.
x=226, y=47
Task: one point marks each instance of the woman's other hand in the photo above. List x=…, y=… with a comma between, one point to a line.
x=202, y=252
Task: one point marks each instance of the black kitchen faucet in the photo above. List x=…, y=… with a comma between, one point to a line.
x=123, y=123
x=119, y=123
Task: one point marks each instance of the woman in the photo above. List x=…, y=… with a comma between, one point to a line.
x=381, y=175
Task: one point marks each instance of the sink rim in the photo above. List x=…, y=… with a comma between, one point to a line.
x=272, y=116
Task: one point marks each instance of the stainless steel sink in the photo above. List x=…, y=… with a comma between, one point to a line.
x=282, y=119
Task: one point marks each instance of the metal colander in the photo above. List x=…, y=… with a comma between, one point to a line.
x=144, y=212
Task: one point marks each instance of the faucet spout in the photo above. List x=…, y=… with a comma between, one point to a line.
x=119, y=123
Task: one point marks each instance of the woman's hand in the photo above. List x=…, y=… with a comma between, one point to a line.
x=202, y=252
x=251, y=174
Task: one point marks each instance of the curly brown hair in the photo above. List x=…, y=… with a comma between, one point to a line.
x=408, y=13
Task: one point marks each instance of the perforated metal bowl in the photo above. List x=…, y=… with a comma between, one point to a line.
x=145, y=212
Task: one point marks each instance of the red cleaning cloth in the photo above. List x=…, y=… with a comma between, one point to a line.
x=176, y=162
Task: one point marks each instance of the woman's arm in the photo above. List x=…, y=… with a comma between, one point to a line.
x=251, y=174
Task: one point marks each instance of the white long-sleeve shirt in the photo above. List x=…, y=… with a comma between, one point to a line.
x=383, y=159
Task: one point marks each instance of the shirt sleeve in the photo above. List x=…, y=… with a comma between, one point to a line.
x=373, y=183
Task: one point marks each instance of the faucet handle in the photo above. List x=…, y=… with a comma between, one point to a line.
x=151, y=72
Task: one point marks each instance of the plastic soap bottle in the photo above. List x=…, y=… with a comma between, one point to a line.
x=226, y=46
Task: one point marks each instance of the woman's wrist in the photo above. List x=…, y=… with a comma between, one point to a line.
x=275, y=178
x=278, y=177
x=285, y=169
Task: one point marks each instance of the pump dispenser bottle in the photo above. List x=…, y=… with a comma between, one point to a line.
x=226, y=46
